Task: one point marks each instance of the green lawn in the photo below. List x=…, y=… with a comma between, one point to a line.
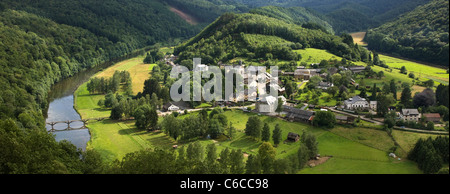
x=113, y=140
x=312, y=55
x=429, y=72
x=337, y=165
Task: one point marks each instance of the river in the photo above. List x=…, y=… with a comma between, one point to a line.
x=61, y=105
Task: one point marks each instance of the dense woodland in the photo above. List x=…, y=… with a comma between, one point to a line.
x=344, y=15
x=43, y=42
x=421, y=34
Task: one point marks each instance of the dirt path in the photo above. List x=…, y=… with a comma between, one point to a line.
x=314, y=163
x=186, y=17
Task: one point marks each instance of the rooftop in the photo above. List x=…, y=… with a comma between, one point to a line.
x=407, y=112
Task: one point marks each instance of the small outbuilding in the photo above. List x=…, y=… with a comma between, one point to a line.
x=432, y=117
x=293, y=137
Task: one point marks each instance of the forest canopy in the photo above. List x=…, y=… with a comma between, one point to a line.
x=421, y=34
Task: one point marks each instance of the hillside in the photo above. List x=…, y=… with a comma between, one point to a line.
x=135, y=23
x=43, y=42
x=344, y=15
x=228, y=38
x=422, y=34
x=295, y=15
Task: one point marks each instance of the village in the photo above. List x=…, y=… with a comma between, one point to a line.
x=347, y=111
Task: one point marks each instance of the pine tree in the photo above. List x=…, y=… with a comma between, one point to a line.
x=265, y=136
x=276, y=136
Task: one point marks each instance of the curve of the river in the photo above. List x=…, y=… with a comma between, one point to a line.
x=61, y=105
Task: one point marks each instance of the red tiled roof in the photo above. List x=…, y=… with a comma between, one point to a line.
x=432, y=115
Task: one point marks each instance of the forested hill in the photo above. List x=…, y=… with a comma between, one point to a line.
x=256, y=37
x=295, y=15
x=135, y=23
x=344, y=15
x=42, y=42
x=46, y=41
x=422, y=34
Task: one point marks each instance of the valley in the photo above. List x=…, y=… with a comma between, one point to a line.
x=103, y=75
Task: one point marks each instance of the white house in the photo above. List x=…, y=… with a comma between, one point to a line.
x=270, y=104
x=201, y=67
x=410, y=115
x=373, y=105
x=356, y=103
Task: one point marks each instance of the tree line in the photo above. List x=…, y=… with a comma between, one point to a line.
x=105, y=85
x=194, y=158
x=430, y=154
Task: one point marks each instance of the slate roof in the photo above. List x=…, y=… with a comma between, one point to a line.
x=408, y=112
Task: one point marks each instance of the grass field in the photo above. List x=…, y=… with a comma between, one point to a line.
x=420, y=70
x=138, y=70
x=86, y=104
x=312, y=55
x=358, y=38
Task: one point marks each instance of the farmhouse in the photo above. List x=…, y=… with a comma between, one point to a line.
x=304, y=74
x=346, y=119
x=293, y=137
x=357, y=69
x=410, y=115
x=296, y=114
x=356, y=103
x=373, y=105
x=432, y=117
x=271, y=104
x=170, y=107
x=325, y=85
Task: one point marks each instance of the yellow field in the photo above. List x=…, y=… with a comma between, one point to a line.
x=138, y=70
x=358, y=38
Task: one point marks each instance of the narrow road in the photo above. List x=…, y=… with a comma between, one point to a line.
x=397, y=128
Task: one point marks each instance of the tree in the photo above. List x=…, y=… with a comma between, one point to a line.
x=374, y=92
x=231, y=130
x=429, y=83
x=172, y=126
x=211, y=156
x=311, y=143
x=383, y=103
x=442, y=95
x=215, y=128
x=237, y=162
x=253, y=165
x=195, y=152
x=303, y=155
x=148, y=59
x=332, y=90
x=151, y=86
x=253, y=127
x=276, y=135
x=403, y=70
x=265, y=135
x=424, y=99
x=406, y=98
x=393, y=89
x=324, y=119
x=266, y=155
x=279, y=106
x=430, y=126
x=389, y=119
x=146, y=117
